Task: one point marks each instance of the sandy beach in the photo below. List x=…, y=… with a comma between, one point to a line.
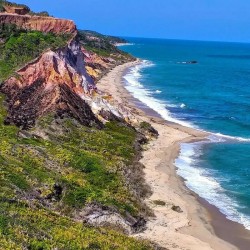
x=200, y=224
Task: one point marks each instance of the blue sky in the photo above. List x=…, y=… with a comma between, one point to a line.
x=212, y=20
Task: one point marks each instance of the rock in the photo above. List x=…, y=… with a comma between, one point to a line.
x=58, y=190
x=192, y=62
x=57, y=81
x=24, y=134
x=139, y=225
x=56, y=194
x=97, y=215
x=109, y=116
x=21, y=10
x=177, y=209
x=141, y=139
x=159, y=203
x=188, y=62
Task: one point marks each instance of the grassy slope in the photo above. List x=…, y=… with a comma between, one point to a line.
x=86, y=163
x=89, y=166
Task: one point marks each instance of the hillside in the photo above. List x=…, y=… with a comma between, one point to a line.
x=99, y=40
x=100, y=52
x=69, y=173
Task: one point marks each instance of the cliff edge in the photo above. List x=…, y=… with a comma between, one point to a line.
x=40, y=23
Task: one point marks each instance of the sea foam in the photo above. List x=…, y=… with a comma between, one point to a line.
x=138, y=90
x=203, y=182
x=197, y=178
x=124, y=44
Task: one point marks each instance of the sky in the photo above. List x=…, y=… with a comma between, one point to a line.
x=208, y=20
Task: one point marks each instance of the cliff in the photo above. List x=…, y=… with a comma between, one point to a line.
x=40, y=23
x=54, y=82
x=56, y=76
x=69, y=155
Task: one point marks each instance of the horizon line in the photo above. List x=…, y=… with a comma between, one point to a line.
x=180, y=39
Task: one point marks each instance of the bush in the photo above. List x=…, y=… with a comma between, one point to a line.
x=42, y=13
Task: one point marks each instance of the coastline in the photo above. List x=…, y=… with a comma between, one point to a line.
x=199, y=223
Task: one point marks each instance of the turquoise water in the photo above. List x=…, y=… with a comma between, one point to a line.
x=211, y=94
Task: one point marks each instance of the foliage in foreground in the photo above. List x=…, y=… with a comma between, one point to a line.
x=23, y=227
x=85, y=162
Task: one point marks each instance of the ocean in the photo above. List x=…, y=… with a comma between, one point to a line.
x=204, y=85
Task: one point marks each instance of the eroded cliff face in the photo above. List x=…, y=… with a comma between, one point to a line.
x=55, y=82
x=64, y=66
x=40, y=23
x=96, y=66
x=60, y=81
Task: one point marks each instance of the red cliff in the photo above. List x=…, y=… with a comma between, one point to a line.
x=40, y=23
x=55, y=82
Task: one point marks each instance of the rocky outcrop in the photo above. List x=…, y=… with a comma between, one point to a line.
x=31, y=102
x=54, y=82
x=96, y=215
x=64, y=66
x=40, y=23
x=96, y=65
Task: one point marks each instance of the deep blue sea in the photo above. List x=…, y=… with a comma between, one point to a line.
x=212, y=95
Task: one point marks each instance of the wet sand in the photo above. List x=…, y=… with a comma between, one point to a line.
x=200, y=225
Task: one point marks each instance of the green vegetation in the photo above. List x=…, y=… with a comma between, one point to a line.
x=22, y=46
x=95, y=160
x=1, y=5
x=86, y=163
x=110, y=39
x=48, y=175
x=42, y=13
x=101, y=44
x=145, y=125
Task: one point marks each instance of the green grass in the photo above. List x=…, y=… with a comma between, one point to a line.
x=22, y=46
x=145, y=125
x=94, y=156
x=98, y=51
x=86, y=162
x=22, y=227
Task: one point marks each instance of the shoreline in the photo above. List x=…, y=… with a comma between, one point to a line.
x=199, y=224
